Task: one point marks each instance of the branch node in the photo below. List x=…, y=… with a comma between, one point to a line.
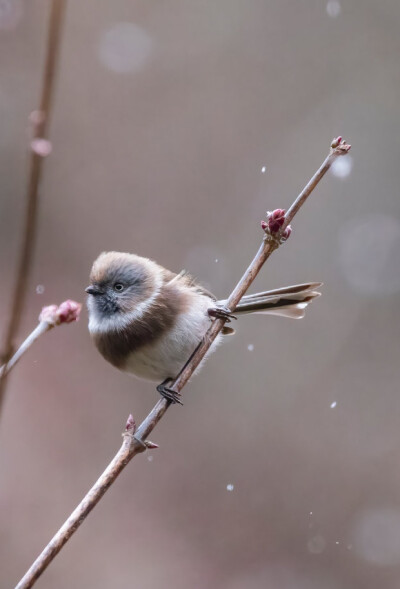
x=140, y=445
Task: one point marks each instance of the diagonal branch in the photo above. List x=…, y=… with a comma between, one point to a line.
x=134, y=442
x=40, y=147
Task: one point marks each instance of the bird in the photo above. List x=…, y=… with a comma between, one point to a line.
x=147, y=320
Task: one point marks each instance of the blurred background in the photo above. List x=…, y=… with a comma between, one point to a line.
x=176, y=125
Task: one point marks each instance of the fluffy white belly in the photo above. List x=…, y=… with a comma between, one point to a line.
x=165, y=358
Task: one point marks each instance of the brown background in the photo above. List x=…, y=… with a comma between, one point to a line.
x=164, y=159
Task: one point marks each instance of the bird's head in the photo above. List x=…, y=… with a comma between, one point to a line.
x=122, y=286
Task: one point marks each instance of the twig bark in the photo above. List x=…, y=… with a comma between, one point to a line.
x=39, y=148
x=135, y=441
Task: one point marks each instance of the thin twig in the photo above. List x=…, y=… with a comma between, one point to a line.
x=39, y=330
x=39, y=148
x=135, y=441
x=50, y=316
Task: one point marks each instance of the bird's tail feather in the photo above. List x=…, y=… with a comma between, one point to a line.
x=290, y=301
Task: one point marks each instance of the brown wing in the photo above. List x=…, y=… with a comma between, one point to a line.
x=187, y=280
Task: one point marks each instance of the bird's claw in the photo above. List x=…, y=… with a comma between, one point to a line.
x=221, y=313
x=169, y=394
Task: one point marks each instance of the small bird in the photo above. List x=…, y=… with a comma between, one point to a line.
x=147, y=320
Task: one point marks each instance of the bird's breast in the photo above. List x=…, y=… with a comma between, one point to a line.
x=164, y=357
x=157, y=344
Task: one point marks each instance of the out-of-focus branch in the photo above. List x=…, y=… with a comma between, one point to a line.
x=39, y=148
x=50, y=316
x=277, y=231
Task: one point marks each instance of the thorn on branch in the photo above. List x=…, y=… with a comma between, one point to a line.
x=150, y=445
x=67, y=312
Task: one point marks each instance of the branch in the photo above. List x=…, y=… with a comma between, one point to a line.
x=39, y=148
x=50, y=316
x=276, y=231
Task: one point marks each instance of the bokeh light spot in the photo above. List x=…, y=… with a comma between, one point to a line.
x=333, y=8
x=369, y=256
x=125, y=48
x=376, y=536
x=342, y=166
x=10, y=14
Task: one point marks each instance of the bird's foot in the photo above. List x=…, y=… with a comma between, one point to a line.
x=168, y=393
x=221, y=313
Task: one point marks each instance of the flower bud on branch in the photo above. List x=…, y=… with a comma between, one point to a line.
x=274, y=224
x=67, y=312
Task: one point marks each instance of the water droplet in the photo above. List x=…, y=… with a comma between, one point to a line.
x=337, y=542
x=40, y=289
x=216, y=260
x=230, y=487
x=342, y=166
x=125, y=48
x=263, y=169
x=310, y=512
x=250, y=347
x=150, y=458
x=333, y=8
x=333, y=405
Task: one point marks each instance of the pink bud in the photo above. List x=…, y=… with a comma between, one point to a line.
x=286, y=233
x=130, y=424
x=67, y=312
x=277, y=214
x=41, y=147
x=264, y=225
x=275, y=220
x=336, y=142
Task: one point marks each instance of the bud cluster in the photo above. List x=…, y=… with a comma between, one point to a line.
x=274, y=223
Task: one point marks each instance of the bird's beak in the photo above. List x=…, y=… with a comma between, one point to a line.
x=93, y=290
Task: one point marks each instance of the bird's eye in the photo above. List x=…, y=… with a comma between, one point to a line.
x=118, y=286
